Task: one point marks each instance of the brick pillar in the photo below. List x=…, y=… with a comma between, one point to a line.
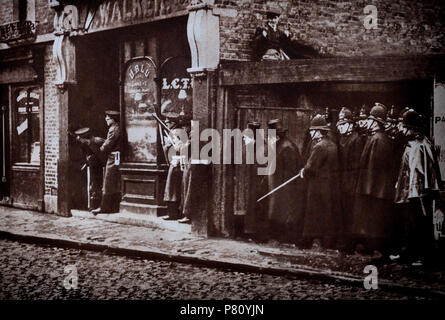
x=203, y=37
x=66, y=23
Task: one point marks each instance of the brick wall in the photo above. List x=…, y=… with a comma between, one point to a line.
x=336, y=27
x=43, y=14
x=5, y=11
x=51, y=124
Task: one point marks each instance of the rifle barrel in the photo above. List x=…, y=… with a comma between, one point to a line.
x=279, y=187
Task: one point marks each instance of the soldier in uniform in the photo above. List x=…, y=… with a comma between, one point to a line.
x=286, y=205
x=417, y=186
x=187, y=199
x=322, y=220
x=373, y=217
x=111, y=150
x=95, y=161
x=173, y=185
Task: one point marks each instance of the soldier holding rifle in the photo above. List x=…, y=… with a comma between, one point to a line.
x=94, y=164
x=173, y=185
x=111, y=150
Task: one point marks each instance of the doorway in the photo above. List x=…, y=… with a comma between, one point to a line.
x=4, y=140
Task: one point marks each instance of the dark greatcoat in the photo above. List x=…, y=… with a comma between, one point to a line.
x=418, y=184
x=419, y=174
x=322, y=216
x=350, y=150
x=95, y=161
x=373, y=216
x=111, y=184
x=173, y=184
x=285, y=205
x=246, y=187
x=256, y=215
x=186, y=187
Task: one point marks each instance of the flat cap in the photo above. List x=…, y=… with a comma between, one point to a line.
x=82, y=131
x=273, y=122
x=112, y=113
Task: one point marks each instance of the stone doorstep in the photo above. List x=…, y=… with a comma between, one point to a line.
x=135, y=219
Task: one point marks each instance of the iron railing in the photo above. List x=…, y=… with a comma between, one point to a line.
x=16, y=31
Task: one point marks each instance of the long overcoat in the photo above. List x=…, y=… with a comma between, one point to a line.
x=285, y=205
x=173, y=184
x=350, y=151
x=419, y=174
x=373, y=210
x=322, y=216
x=111, y=144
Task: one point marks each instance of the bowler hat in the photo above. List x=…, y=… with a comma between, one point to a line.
x=272, y=13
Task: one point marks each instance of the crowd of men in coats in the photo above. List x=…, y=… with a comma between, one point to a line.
x=367, y=186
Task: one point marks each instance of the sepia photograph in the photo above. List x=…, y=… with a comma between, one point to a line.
x=222, y=157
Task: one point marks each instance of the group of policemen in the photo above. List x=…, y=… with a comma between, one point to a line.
x=365, y=184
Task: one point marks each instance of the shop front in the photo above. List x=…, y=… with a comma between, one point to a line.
x=130, y=57
x=22, y=128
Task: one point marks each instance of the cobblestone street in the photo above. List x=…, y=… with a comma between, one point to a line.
x=30, y=271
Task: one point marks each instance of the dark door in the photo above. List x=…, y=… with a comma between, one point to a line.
x=4, y=150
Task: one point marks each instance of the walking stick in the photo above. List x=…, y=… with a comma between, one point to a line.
x=279, y=187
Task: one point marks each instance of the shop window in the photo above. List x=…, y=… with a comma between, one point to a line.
x=26, y=145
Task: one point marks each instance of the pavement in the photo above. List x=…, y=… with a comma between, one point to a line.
x=154, y=238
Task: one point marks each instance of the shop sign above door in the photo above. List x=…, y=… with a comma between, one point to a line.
x=118, y=13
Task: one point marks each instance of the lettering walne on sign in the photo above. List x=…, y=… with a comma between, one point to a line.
x=115, y=13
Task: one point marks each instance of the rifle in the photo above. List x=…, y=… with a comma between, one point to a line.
x=279, y=187
x=162, y=124
x=98, y=155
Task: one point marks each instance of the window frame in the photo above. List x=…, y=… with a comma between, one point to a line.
x=14, y=118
